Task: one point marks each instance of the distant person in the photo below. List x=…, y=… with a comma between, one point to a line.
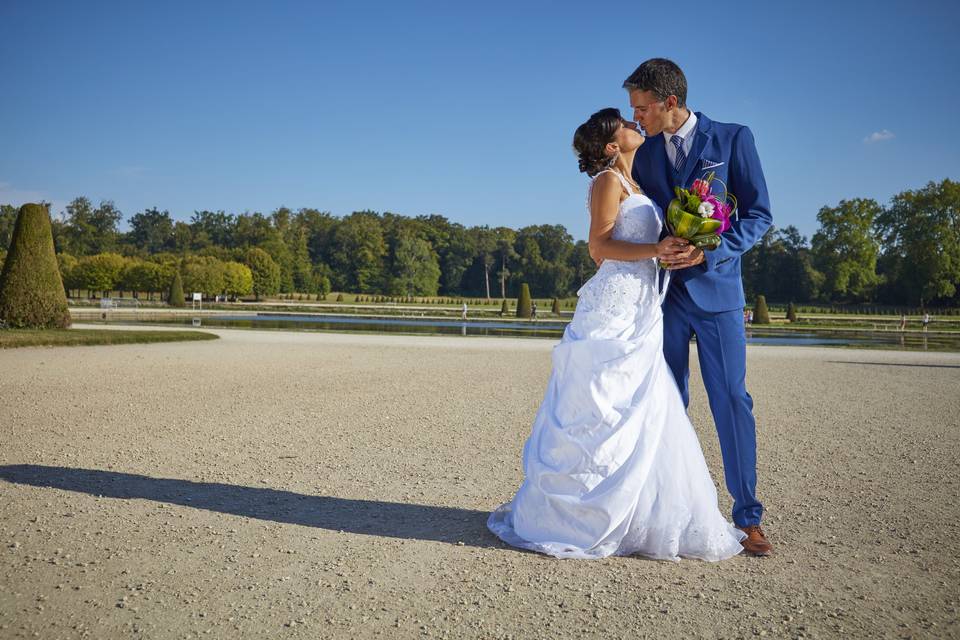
x=463, y=312
x=903, y=322
x=750, y=317
x=926, y=321
x=533, y=311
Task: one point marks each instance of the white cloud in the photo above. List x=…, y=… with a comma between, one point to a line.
x=879, y=136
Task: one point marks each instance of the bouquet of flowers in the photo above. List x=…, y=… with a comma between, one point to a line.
x=700, y=216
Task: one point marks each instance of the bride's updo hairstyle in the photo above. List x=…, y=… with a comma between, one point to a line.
x=592, y=136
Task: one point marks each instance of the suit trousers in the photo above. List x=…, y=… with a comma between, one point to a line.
x=722, y=351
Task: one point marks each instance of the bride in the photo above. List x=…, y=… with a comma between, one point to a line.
x=613, y=465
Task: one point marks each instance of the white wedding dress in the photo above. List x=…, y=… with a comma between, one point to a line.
x=613, y=465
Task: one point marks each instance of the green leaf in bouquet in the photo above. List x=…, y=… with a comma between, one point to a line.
x=674, y=211
x=709, y=225
x=706, y=241
x=687, y=225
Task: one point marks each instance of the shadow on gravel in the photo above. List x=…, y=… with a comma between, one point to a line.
x=371, y=517
x=896, y=364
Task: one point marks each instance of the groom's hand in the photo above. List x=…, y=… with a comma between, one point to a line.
x=689, y=257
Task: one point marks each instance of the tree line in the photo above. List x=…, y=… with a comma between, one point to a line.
x=906, y=252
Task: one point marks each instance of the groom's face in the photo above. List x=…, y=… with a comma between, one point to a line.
x=649, y=111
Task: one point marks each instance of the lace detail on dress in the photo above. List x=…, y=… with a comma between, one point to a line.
x=620, y=288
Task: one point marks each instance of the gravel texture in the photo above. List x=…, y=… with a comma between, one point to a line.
x=308, y=485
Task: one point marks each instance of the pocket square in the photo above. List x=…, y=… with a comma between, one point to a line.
x=709, y=164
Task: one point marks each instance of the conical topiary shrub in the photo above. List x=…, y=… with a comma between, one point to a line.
x=31, y=291
x=556, y=307
x=761, y=315
x=523, y=302
x=791, y=312
x=504, y=308
x=175, y=298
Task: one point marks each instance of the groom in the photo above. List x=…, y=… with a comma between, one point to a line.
x=705, y=296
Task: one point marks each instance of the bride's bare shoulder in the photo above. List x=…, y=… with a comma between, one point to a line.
x=605, y=182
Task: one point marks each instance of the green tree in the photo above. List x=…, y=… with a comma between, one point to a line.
x=102, y=272
x=791, y=312
x=321, y=281
x=761, y=315
x=265, y=273
x=181, y=240
x=253, y=230
x=238, y=279
x=319, y=227
x=203, y=274
x=921, y=240
x=524, y=306
x=216, y=228
x=485, y=243
x=8, y=219
x=79, y=233
x=302, y=268
x=31, y=291
x=151, y=231
x=506, y=253
x=415, y=270
x=175, y=296
x=455, y=248
x=66, y=264
x=142, y=275
x=358, y=259
x=781, y=265
x=105, y=220
x=845, y=249
x=582, y=264
x=544, y=257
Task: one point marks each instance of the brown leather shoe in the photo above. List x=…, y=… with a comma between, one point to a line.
x=756, y=542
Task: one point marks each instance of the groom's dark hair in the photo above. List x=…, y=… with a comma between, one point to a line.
x=661, y=77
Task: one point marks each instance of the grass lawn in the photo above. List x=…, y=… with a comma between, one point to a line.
x=12, y=338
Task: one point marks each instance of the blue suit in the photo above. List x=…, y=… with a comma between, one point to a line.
x=707, y=300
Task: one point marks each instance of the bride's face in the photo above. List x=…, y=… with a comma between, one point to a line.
x=627, y=138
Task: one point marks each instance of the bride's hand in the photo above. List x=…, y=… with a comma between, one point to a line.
x=670, y=248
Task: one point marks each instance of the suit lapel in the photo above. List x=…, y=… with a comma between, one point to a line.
x=700, y=141
x=660, y=176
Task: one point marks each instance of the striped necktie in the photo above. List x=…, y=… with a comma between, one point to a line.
x=681, y=157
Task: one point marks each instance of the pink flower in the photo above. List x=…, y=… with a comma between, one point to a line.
x=722, y=213
x=701, y=188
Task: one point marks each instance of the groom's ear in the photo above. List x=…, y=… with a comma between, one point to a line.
x=671, y=102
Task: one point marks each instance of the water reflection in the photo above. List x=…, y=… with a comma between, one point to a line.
x=543, y=329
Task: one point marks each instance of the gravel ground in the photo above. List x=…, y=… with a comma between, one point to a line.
x=300, y=485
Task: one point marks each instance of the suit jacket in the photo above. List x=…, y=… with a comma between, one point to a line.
x=728, y=150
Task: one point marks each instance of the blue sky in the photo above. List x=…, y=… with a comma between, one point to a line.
x=461, y=109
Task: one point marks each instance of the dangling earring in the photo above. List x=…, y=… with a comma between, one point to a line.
x=613, y=160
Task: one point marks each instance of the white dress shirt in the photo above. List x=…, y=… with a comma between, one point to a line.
x=686, y=131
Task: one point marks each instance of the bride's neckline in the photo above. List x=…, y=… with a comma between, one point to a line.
x=628, y=185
